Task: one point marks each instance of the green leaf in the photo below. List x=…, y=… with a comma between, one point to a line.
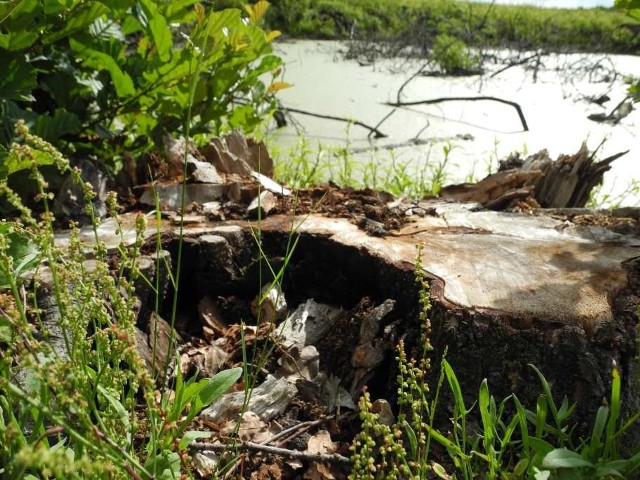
x=82, y=17
x=18, y=20
x=17, y=40
x=627, y=4
x=616, y=385
x=413, y=439
x=541, y=475
x=11, y=162
x=455, y=388
x=52, y=128
x=563, y=458
x=102, y=61
x=157, y=27
x=488, y=425
x=55, y=6
x=24, y=253
x=540, y=445
x=218, y=385
x=440, y=471
x=595, y=442
x=18, y=77
x=165, y=466
x=624, y=466
x=5, y=332
x=192, y=435
x=122, y=413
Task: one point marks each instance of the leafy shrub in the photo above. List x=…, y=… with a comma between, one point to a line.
x=115, y=76
x=453, y=55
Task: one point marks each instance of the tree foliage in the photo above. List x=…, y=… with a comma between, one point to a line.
x=633, y=10
x=111, y=76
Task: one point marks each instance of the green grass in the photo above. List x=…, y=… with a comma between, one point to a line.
x=306, y=165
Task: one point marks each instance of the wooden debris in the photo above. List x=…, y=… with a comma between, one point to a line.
x=538, y=181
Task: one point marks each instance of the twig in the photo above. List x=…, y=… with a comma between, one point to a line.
x=377, y=133
x=514, y=64
x=463, y=99
x=295, y=431
x=283, y=452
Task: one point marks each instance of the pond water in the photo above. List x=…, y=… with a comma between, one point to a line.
x=477, y=134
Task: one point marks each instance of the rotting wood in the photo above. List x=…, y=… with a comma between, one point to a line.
x=537, y=181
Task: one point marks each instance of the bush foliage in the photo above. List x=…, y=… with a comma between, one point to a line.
x=116, y=75
x=476, y=24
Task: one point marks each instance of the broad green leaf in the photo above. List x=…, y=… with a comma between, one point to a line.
x=607, y=472
x=52, y=128
x=55, y=6
x=624, y=466
x=164, y=466
x=17, y=18
x=23, y=252
x=82, y=17
x=218, y=385
x=12, y=162
x=627, y=4
x=563, y=458
x=18, y=77
x=102, y=61
x=157, y=27
x=18, y=40
x=192, y=435
x=180, y=11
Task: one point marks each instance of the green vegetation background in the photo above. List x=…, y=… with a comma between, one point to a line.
x=478, y=24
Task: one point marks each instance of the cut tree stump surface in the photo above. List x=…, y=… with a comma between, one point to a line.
x=523, y=266
x=507, y=289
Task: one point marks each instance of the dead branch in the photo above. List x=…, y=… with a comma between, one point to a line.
x=464, y=99
x=515, y=64
x=334, y=458
x=377, y=133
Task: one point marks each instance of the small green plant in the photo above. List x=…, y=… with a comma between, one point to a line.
x=401, y=450
x=452, y=55
x=70, y=373
x=489, y=439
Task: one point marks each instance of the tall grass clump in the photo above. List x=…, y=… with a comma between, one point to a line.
x=306, y=166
